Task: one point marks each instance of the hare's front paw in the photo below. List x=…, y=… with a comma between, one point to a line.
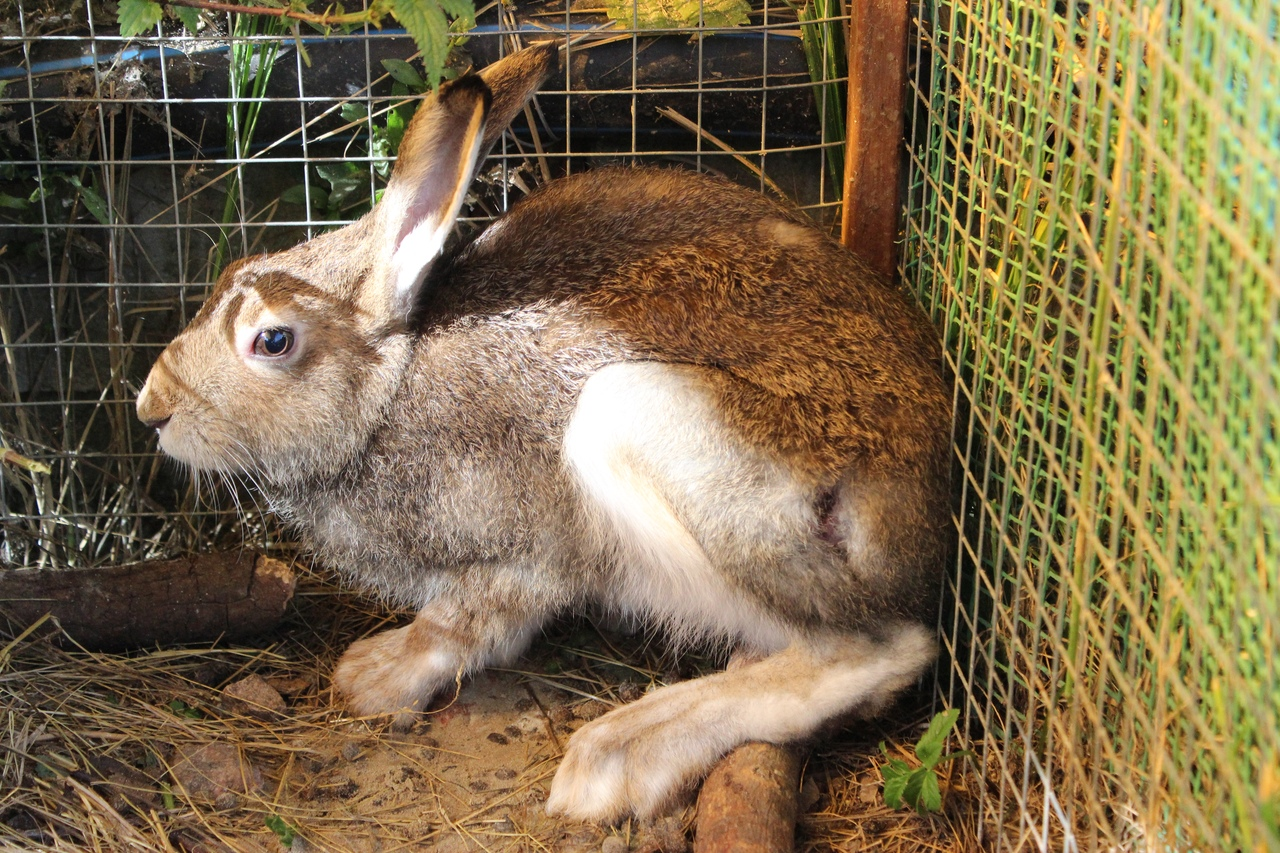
x=394, y=673
x=631, y=760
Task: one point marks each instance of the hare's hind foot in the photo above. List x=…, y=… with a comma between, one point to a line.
x=635, y=759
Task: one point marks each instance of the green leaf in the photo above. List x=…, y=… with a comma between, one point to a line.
x=404, y=73
x=426, y=23
x=301, y=46
x=94, y=203
x=380, y=151
x=93, y=200
x=296, y=194
x=929, y=747
x=283, y=830
x=190, y=17
x=929, y=798
x=915, y=781
x=182, y=709
x=345, y=180
x=13, y=203
x=354, y=110
x=896, y=774
x=137, y=17
x=677, y=14
x=397, y=123
x=463, y=12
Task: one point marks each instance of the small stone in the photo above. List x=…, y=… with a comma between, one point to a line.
x=590, y=710
x=810, y=793
x=351, y=750
x=504, y=773
x=499, y=738
x=226, y=801
x=214, y=769
x=583, y=840
x=630, y=691
x=287, y=686
x=613, y=844
x=253, y=697
x=668, y=832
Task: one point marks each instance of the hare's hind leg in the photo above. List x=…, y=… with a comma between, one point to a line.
x=634, y=758
x=712, y=537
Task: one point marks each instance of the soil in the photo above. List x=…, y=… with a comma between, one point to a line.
x=243, y=748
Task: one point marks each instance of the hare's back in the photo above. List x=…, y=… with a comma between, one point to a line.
x=823, y=360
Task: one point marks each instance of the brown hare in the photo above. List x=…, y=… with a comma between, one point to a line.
x=644, y=390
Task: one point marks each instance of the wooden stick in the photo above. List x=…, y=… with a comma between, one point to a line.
x=195, y=599
x=873, y=154
x=748, y=803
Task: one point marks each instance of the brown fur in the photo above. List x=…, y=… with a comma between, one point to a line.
x=424, y=453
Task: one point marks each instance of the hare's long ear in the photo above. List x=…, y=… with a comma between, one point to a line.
x=451, y=132
x=437, y=158
x=513, y=80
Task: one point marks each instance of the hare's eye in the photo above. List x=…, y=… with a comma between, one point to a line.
x=273, y=342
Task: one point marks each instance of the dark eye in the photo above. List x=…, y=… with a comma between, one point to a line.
x=273, y=342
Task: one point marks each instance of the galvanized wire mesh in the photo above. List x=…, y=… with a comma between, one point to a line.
x=134, y=169
x=1093, y=221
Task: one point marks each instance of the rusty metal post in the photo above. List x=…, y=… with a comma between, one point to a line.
x=877, y=86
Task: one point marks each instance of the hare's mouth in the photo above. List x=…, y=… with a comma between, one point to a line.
x=190, y=447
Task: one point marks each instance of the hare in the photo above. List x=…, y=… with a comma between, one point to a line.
x=645, y=390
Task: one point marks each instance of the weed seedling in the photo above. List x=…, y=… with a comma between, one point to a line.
x=917, y=787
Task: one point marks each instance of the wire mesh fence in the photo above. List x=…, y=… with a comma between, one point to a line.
x=1093, y=222
x=1091, y=218
x=133, y=170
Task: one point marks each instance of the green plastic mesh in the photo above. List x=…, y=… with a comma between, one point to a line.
x=1092, y=220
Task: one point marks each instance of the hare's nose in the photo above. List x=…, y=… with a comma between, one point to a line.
x=150, y=410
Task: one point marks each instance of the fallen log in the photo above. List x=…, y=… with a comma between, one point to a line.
x=748, y=802
x=195, y=599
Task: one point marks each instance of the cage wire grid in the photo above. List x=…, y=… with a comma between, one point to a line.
x=1092, y=220
x=135, y=169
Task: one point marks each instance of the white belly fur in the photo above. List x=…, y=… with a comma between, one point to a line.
x=674, y=491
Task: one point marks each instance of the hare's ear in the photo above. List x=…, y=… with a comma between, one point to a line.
x=513, y=80
x=437, y=158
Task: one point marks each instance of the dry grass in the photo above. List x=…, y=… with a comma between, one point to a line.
x=89, y=741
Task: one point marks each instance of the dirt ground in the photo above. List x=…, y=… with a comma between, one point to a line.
x=162, y=751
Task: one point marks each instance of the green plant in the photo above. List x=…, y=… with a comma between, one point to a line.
x=822, y=37
x=252, y=61
x=427, y=21
x=917, y=787
x=340, y=190
x=281, y=828
x=677, y=14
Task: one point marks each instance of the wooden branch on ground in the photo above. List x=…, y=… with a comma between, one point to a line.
x=194, y=599
x=748, y=803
